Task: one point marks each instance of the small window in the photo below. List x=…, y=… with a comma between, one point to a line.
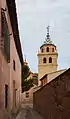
x=27, y=94
x=42, y=50
x=44, y=60
x=47, y=49
x=14, y=65
x=50, y=60
x=6, y=96
x=52, y=49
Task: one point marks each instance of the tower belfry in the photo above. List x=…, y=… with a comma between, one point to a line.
x=47, y=57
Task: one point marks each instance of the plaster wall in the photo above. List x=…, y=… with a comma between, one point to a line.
x=4, y=80
x=8, y=75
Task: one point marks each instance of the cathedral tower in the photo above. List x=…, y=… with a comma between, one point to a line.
x=47, y=57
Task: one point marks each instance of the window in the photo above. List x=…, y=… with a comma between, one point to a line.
x=50, y=60
x=6, y=96
x=44, y=60
x=42, y=50
x=52, y=49
x=27, y=94
x=47, y=49
x=14, y=65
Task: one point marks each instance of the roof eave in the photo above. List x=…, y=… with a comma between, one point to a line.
x=14, y=23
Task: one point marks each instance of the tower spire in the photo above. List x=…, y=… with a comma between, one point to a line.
x=48, y=40
x=48, y=35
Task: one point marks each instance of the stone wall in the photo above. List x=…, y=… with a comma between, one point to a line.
x=53, y=100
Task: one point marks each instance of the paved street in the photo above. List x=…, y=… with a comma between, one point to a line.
x=27, y=112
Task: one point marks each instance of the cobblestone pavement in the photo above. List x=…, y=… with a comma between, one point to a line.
x=27, y=112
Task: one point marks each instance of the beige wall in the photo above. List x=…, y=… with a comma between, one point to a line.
x=45, y=68
x=53, y=75
x=29, y=99
x=24, y=99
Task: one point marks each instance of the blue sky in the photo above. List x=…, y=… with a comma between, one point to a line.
x=33, y=17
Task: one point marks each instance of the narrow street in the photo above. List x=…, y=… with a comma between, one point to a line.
x=27, y=112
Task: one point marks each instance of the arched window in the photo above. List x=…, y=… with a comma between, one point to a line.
x=50, y=60
x=52, y=49
x=47, y=49
x=42, y=50
x=44, y=60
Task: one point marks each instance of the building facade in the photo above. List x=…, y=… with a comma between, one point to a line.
x=50, y=76
x=47, y=57
x=11, y=59
x=52, y=101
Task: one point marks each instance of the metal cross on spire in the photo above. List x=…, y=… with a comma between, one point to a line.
x=48, y=36
x=48, y=41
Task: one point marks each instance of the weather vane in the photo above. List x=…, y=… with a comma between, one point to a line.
x=48, y=36
x=48, y=28
x=48, y=41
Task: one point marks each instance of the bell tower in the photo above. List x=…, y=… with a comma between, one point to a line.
x=47, y=57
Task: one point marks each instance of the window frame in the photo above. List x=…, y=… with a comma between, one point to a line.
x=47, y=49
x=44, y=60
x=14, y=65
x=42, y=50
x=52, y=49
x=6, y=95
x=50, y=59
